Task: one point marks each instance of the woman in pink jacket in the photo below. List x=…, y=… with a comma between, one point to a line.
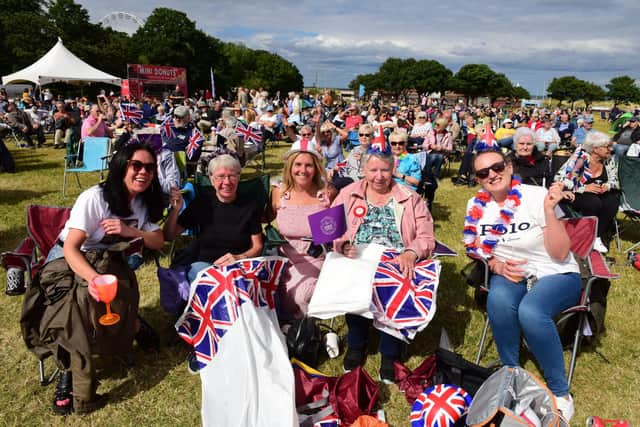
x=381, y=211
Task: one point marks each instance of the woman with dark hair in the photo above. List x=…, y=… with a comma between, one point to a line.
x=62, y=308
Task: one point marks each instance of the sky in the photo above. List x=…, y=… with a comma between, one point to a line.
x=332, y=41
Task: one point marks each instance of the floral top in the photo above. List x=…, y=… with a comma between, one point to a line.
x=379, y=226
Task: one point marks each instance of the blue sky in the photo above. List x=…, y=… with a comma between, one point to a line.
x=334, y=40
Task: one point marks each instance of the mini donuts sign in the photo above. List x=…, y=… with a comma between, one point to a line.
x=328, y=225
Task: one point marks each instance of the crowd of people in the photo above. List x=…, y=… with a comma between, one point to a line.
x=375, y=159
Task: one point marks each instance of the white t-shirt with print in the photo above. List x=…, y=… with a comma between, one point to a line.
x=524, y=238
x=90, y=209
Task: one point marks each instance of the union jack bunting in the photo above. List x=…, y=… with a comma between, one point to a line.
x=218, y=294
x=131, y=113
x=439, y=406
x=195, y=142
x=248, y=133
x=401, y=306
x=341, y=168
x=167, y=129
x=379, y=142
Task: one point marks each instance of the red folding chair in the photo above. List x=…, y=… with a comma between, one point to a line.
x=44, y=223
x=582, y=233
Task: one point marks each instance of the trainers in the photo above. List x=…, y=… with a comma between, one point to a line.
x=63, y=399
x=565, y=406
x=193, y=366
x=353, y=358
x=599, y=246
x=387, y=370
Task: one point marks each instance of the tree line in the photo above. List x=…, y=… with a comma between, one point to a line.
x=29, y=28
x=398, y=76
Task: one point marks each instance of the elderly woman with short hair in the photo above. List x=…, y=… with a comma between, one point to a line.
x=354, y=168
x=590, y=178
x=395, y=217
x=529, y=163
x=229, y=226
x=407, y=170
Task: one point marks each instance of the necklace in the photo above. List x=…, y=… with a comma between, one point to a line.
x=474, y=214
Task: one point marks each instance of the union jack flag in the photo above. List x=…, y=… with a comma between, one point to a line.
x=341, y=168
x=195, y=142
x=131, y=113
x=218, y=294
x=379, y=143
x=406, y=306
x=328, y=421
x=439, y=406
x=167, y=129
x=248, y=133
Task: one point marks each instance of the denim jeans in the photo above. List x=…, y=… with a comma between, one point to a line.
x=542, y=146
x=434, y=161
x=195, y=268
x=513, y=310
x=506, y=142
x=358, y=336
x=620, y=150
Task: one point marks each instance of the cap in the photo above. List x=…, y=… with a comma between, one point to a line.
x=304, y=146
x=507, y=121
x=634, y=119
x=269, y=108
x=181, y=112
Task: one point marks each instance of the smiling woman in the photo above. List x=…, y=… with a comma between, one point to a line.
x=125, y=207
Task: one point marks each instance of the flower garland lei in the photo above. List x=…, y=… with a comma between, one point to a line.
x=470, y=231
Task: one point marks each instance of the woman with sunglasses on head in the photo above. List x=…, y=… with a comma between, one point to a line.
x=590, y=178
x=329, y=139
x=516, y=227
x=301, y=194
x=124, y=207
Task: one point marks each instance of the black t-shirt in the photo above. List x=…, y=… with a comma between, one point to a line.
x=223, y=227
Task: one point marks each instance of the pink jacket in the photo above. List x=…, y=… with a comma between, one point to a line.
x=446, y=143
x=416, y=223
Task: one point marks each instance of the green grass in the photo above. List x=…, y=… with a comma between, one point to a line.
x=159, y=391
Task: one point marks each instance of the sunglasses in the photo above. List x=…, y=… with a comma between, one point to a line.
x=305, y=134
x=496, y=167
x=136, y=165
x=365, y=135
x=394, y=143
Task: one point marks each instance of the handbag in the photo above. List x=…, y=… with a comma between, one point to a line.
x=174, y=288
x=452, y=368
x=304, y=341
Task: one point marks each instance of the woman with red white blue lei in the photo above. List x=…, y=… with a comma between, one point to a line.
x=516, y=228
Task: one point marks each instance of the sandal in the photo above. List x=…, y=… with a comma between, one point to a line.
x=63, y=399
x=147, y=338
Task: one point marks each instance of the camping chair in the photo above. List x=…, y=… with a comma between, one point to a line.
x=442, y=250
x=256, y=155
x=95, y=159
x=582, y=233
x=44, y=223
x=629, y=174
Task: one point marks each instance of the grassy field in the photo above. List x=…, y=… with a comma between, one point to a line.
x=159, y=390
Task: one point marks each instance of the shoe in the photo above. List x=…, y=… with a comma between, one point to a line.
x=193, y=366
x=599, y=246
x=353, y=358
x=147, y=338
x=387, y=370
x=565, y=406
x=63, y=397
x=461, y=181
x=82, y=407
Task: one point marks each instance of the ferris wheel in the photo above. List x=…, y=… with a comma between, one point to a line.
x=122, y=21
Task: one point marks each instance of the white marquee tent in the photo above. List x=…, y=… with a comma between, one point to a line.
x=60, y=65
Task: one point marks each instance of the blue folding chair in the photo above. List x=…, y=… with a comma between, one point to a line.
x=95, y=159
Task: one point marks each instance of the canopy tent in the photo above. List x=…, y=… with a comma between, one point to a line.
x=60, y=65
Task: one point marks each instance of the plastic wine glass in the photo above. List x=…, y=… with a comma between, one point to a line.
x=107, y=285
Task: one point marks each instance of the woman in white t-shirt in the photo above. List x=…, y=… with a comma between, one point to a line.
x=535, y=276
x=104, y=217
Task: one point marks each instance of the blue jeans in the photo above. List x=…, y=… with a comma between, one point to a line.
x=513, y=310
x=620, y=150
x=434, y=161
x=358, y=336
x=506, y=142
x=542, y=147
x=195, y=268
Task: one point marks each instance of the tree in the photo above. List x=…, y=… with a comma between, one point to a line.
x=369, y=81
x=520, y=93
x=430, y=76
x=566, y=88
x=623, y=89
x=592, y=92
x=474, y=80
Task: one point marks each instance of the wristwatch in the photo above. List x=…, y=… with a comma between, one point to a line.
x=403, y=176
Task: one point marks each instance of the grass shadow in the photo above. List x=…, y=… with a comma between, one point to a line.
x=13, y=197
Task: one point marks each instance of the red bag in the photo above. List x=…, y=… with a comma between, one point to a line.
x=413, y=383
x=354, y=394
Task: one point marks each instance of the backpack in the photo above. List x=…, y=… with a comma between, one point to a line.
x=513, y=397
